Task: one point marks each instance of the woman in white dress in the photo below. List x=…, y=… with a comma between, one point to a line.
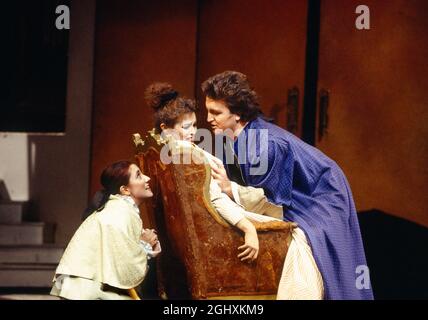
x=176, y=116
x=300, y=278
x=107, y=256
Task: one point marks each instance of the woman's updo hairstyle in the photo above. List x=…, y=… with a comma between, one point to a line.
x=167, y=103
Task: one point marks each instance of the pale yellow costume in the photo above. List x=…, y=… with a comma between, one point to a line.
x=300, y=278
x=104, y=255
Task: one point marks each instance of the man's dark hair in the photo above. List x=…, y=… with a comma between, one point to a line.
x=233, y=88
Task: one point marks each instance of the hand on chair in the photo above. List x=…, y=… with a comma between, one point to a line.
x=250, y=249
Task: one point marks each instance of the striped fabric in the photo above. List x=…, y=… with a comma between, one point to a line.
x=300, y=279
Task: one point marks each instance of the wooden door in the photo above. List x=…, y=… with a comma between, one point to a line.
x=137, y=43
x=378, y=106
x=264, y=40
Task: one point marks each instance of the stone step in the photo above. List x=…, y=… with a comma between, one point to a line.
x=13, y=212
x=31, y=233
x=30, y=254
x=27, y=275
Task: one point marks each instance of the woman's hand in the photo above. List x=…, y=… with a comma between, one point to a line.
x=156, y=249
x=220, y=176
x=250, y=249
x=150, y=236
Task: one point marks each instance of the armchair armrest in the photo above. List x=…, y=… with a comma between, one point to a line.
x=273, y=225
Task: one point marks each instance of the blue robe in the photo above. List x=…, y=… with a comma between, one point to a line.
x=315, y=194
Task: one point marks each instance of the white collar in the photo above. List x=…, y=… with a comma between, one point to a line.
x=131, y=202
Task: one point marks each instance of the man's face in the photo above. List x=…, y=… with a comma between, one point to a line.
x=219, y=116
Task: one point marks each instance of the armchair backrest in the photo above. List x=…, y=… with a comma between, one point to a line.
x=199, y=258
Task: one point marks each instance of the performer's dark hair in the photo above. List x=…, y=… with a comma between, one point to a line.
x=167, y=103
x=112, y=178
x=233, y=88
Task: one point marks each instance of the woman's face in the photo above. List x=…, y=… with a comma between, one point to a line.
x=184, y=128
x=138, y=187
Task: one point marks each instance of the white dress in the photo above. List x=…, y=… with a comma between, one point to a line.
x=105, y=256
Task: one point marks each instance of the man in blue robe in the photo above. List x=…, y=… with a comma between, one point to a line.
x=310, y=187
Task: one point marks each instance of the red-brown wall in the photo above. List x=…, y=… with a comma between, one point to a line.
x=137, y=42
x=266, y=40
x=378, y=120
x=378, y=83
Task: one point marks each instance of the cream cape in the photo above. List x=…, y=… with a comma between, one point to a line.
x=106, y=247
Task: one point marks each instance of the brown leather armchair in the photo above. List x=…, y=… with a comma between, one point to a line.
x=199, y=248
